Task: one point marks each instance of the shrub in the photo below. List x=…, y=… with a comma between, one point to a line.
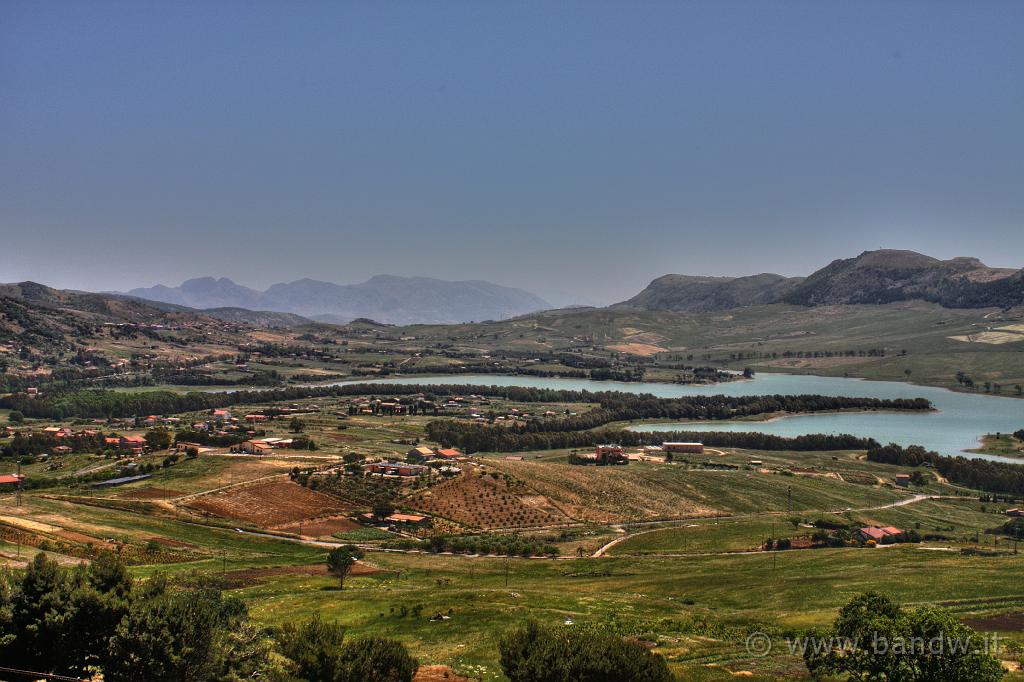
x=532, y=653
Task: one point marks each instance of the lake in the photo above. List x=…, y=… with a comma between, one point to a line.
x=960, y=420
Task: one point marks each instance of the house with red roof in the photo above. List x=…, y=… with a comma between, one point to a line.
x=878, y=534
x=10, y=480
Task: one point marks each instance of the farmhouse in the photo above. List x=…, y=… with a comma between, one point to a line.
x=448, y=453
x=610, y=454
x=419, y=454
x=693, y=448
x=254, y=447
x=10, y=480
x=1015, y=512
x=903, y=480
x=877, y=534
x=133, y=443
x=412, y=519
x=394, y=469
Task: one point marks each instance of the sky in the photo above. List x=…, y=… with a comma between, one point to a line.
x=575, y=149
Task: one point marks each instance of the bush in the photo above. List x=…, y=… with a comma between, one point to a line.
x=532, y=653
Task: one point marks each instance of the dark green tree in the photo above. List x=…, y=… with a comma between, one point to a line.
x=158, y=439
x=874, y=639
x=533, y=653
x=340, y=561
x=382, y=507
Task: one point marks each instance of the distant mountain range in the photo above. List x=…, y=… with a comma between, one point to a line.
x=873, y=277
x=385, y=298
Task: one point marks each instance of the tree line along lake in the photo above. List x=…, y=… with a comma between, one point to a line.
x=956, y=425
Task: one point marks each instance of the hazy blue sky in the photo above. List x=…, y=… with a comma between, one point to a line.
x=584, y=147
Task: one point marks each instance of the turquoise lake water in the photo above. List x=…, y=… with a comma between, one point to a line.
x=957, y=424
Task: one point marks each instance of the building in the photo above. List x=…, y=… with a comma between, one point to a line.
x=419, y=454
x=877, y=534
x=1015, y=512
x=448, y=453
x=410, y=519
x=394, y=469
x=610, y=454
x=692, y=448
x=254, y=447
x=10, y=480
x=111, y=482
x=133, y=443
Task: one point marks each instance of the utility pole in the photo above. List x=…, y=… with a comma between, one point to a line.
x=18, y=488
x=789, y=499
x=506, y=571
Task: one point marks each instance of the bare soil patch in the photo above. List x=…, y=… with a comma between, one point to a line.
x=1012, y=622
x=269, y=504
x=641, y=349
x=322, y=527
x=83, y=539
x=438, y=673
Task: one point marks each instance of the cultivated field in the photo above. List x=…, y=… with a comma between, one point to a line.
x=481, y=501
x=645, y=492
x=268, y=505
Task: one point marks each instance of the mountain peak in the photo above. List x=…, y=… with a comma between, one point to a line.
x=873, y=277
x=388, y=298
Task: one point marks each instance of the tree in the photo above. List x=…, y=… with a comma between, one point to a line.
x=874, y=639
x=316, y=651
x=296, y=425
x=532, y=653
x=59, y=620
x=313, y=648
x=158, y=439
x=382, y=507
x=15, y=417
x=340, y=561
x=174, y=636
x=375, y=658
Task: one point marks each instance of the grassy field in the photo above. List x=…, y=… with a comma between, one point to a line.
x=699, y=609
x=1004, y=444
x=685, y=573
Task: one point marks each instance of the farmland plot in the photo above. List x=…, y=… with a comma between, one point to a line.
x=269, y=504
x=481, y=502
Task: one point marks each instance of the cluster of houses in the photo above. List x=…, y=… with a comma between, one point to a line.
x=134, y=444
x=612, y=454
x=261, y=446
x=470, y=407
x=420, y=460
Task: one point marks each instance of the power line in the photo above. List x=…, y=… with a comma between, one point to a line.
x=38, y=675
